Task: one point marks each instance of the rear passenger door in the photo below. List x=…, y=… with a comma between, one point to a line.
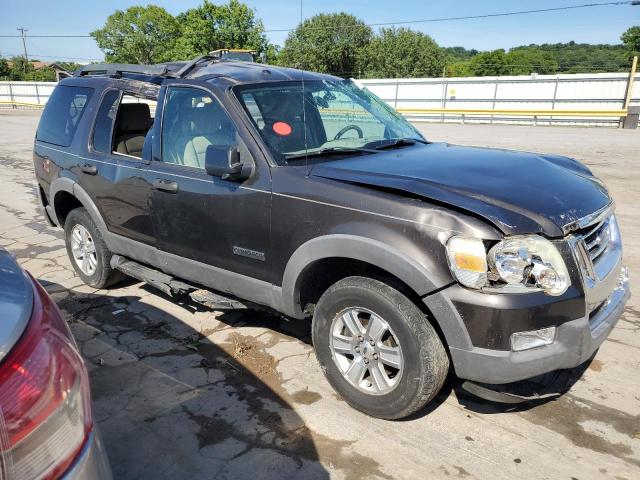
x=116, y=175
x=197, y=216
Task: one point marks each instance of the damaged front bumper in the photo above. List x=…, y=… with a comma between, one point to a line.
x=575, y=342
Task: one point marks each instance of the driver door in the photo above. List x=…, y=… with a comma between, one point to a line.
x=197, y=216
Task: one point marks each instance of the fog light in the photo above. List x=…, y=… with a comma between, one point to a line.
x=536, y=338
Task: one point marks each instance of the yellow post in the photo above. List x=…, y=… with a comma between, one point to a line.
x=632, y=75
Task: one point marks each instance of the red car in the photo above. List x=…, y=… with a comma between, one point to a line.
x=46, y=428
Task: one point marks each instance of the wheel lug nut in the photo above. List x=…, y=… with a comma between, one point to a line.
x=371, y=342
x=366, y=360
x=357, y=349
x=360, y=338
x=375, y=356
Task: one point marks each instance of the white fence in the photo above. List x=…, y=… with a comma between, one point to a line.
x=24, y=94
x=469, y=98
x=544, y=99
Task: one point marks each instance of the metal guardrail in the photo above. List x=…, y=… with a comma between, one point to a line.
x=515, y=113
x=21, y=104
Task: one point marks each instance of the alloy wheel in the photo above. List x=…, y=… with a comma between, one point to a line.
x=84, y=250
x=366, y=350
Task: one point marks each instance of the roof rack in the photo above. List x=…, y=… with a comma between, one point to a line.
x=188, y=66
x=117, y=69
x=169, y=69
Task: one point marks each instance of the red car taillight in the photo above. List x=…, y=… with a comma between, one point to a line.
x=45, y=413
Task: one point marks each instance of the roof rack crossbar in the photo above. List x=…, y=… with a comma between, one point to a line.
x=116, y=69
x=191, y=65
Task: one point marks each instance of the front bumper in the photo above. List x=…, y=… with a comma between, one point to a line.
x=92, y=462
x=576, y=341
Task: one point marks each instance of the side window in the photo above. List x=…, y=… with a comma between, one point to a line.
x=192, y=120
x=62, y=114
x=106, y=116
x=132, y=131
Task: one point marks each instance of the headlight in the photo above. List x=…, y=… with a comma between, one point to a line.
x=519, y=264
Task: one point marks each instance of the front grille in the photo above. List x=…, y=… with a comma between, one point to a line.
x=596, y=238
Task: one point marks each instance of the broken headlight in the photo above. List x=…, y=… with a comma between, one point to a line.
x=520, y=264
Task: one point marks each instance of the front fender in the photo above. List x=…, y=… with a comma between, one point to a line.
x=352, y=247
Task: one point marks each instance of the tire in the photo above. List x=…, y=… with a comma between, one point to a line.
x=409, y=341
x=101, y=275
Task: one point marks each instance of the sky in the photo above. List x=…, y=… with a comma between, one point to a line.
x=76, y=17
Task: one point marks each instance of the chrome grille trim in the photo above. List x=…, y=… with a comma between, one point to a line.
x=586, y=221
x=597, y=239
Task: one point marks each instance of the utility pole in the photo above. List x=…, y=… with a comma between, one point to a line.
x=22, y=31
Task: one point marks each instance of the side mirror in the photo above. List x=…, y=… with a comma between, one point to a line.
x=224, y=161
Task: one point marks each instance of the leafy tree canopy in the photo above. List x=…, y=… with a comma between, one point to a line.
x=631, y=40
x=575, y=57
x=402, y=53
x=210, y=27
x=4, y=68
x=138, y=35
x=459, y=53
x=330, y=43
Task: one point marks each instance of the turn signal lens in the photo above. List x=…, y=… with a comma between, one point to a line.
x=468, y=261
x=472, y=263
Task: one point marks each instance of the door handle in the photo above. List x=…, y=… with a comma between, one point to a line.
x=165, y=185
x=89, y=169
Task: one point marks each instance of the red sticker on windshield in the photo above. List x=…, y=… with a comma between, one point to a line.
x=282, y=128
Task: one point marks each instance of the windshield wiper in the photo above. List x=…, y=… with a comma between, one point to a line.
x=399, y=142
x=329, y=151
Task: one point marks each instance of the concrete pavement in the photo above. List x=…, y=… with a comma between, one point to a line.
x=183, y=392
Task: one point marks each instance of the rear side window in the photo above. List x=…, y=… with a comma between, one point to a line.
x=62, y=114
x=102, y=131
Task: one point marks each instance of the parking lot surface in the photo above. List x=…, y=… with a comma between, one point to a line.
x=185, y=392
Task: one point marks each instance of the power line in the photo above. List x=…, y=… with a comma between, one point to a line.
x=58, y=57
x=386, y=24
x=488, y=15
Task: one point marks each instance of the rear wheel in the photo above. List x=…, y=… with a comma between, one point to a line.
x=377, y=348
x=87, y=251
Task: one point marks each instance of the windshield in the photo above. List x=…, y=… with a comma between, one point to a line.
x=337, y=116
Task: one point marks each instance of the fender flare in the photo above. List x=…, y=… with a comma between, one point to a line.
x=352, y=247
x=65, y=184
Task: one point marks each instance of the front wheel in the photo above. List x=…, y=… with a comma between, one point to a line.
x=377, y=349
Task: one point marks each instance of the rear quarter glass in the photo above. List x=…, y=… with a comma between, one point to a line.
x=63, y=114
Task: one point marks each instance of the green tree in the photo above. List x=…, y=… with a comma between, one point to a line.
x=489, y=63
x=523, y=62
x=575, y=57
x=138, y=35
x=631, y=40
x=4, y=68
x=401, y=52
x=46, y=74
x=459, y=53
x=329, y=43
x=20, y=68
x=458, y=69
x=211, y=27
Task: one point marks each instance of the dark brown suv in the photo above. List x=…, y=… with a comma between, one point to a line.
x=305, y=194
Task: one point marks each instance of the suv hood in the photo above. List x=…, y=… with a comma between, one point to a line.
x=518, y=192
